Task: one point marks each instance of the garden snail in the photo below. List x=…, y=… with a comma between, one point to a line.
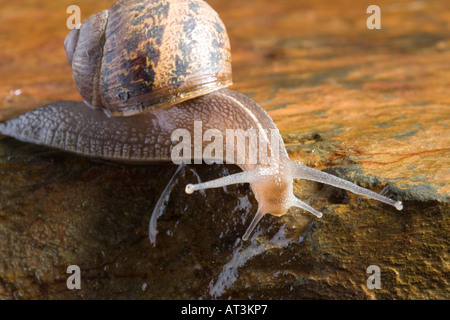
x=147, y=68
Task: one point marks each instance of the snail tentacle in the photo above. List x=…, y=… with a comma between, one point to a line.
x=160, y=206
x=295, y=202
x=253, y=224
x=303, y=172
x=251, y=176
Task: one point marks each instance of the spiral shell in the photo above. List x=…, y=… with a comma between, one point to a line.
x=145, y=54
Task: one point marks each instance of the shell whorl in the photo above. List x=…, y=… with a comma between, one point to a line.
x=141, y=55
x=84, y=50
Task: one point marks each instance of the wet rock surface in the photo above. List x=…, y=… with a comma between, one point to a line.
x=368, y=106
x=59, y=210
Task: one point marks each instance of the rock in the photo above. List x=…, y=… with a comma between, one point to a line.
x=367, y=105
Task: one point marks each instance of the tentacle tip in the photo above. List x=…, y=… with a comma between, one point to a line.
x=399, y=205
x=189, y=189
x=245, y=237
x=152, y=237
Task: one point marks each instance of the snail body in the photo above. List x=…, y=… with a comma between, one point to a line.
x=147, y=138
x=139, y=129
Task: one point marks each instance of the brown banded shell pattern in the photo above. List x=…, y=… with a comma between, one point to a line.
x=160, y=53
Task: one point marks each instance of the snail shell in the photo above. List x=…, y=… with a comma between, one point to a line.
x=142, y=55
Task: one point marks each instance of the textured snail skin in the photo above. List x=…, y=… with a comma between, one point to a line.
x=146, y=138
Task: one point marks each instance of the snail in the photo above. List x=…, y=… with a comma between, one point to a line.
x=148, y=68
